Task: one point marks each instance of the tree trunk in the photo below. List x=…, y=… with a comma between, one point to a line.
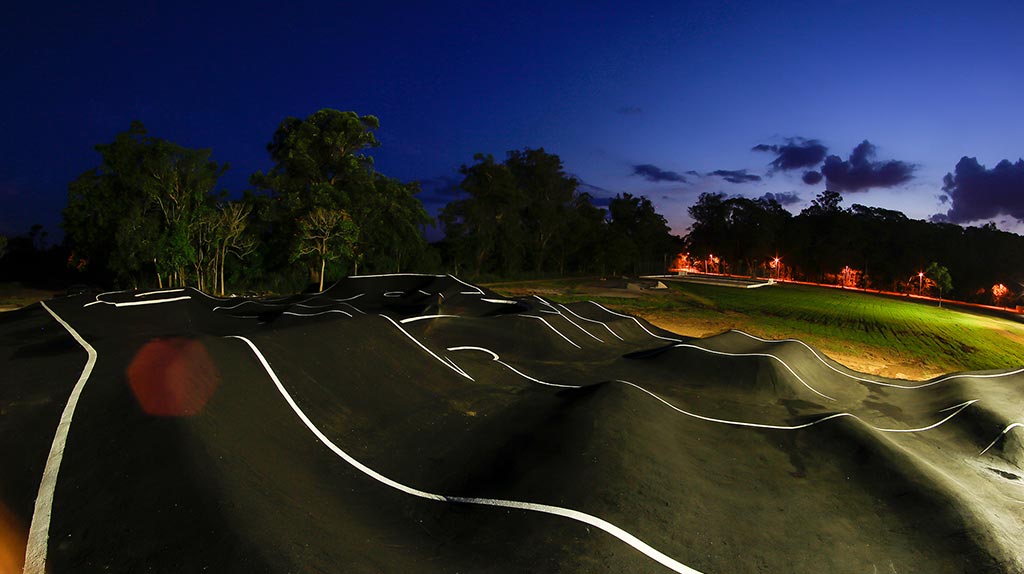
x=323, y=266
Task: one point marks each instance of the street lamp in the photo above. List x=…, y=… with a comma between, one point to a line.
x=775, y=266
x=920, y=287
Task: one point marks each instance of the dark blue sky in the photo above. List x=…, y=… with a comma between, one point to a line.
x=662, y=99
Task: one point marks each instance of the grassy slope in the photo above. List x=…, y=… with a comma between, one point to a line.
x=840, y=322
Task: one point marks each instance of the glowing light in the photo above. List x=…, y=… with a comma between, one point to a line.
x=1000, y=293
x=173, y=377
x=13, y=536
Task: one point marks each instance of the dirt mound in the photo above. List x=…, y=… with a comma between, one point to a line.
x=420, y=423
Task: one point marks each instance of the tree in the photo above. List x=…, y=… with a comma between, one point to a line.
x=232, y=225
x=939, y=278
x=142, y=210
x=548, y=194
x=3, y=246
x=327, y=234
x=638, y=236
x=321, y=163
x=487, y=225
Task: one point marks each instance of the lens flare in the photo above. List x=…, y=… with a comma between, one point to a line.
x=13, y=538
x=173, y=377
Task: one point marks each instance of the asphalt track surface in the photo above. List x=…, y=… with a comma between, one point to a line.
x=417, y=423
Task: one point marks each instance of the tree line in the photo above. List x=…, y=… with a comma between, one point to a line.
x=151, y=215
x=867, y=247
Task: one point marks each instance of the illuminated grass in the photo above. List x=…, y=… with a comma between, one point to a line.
x=849, y=323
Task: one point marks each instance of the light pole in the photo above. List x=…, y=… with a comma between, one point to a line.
x=920, y=287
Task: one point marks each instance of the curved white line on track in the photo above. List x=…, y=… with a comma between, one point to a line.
x=425, y=317
x=397, y=275
x=883, y=383
x=583, y=517
x=494, y=356
x=1010, y=427
x=497, y=359
x=958, y=408
x=445, y=361
x=574, y=323
x=348, y=298
x=601, y=323
x=476, y=290
x=317, y=314
x=148, y=293
x=394, y=293
x=137, y=303
x=635, y=320
x=39, y=529
x=784, y=364
x=499, y=301
x=550, y=326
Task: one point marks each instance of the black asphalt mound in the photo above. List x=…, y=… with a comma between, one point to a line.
x=417, y=423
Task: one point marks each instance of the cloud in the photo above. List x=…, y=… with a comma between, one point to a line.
x=655, y=173
x=861, y=173
x=796, y=153
x=629, y=111
x=978, y=193
x=812, y=177
x=736, y=175
x=785, y=198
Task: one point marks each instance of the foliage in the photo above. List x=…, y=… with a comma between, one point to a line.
x=939, y=278
x=883, y=248
x=147, y=210
x=321, y=167
x=526, y=213
x=328, y=234
x=3, y=245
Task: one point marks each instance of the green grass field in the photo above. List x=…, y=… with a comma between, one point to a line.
x=923, y=338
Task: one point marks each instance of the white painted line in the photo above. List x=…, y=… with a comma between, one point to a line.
x=39, y=530
x=357, y=309
x=574, y=324
x=317, y=314
x=494, y=356
x=525, y=376
x=1001, y=435
x=883, y=383
x=637, y=322
x=394, y=293
x=137, y=303
x=499, y=301
x=152, y=301
x=497, y=359
x=591, y=321
x=552, y=328
x=249, y=302
x=424, y=292
x=476, y=290
x=594, y=521
x=784, y=364
x=961, y=406
x=148, y=293
x=448, y=363
x=395, y=275
x=425, y=317
x=349, y=298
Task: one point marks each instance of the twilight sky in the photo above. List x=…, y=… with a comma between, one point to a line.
x=664, y=99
